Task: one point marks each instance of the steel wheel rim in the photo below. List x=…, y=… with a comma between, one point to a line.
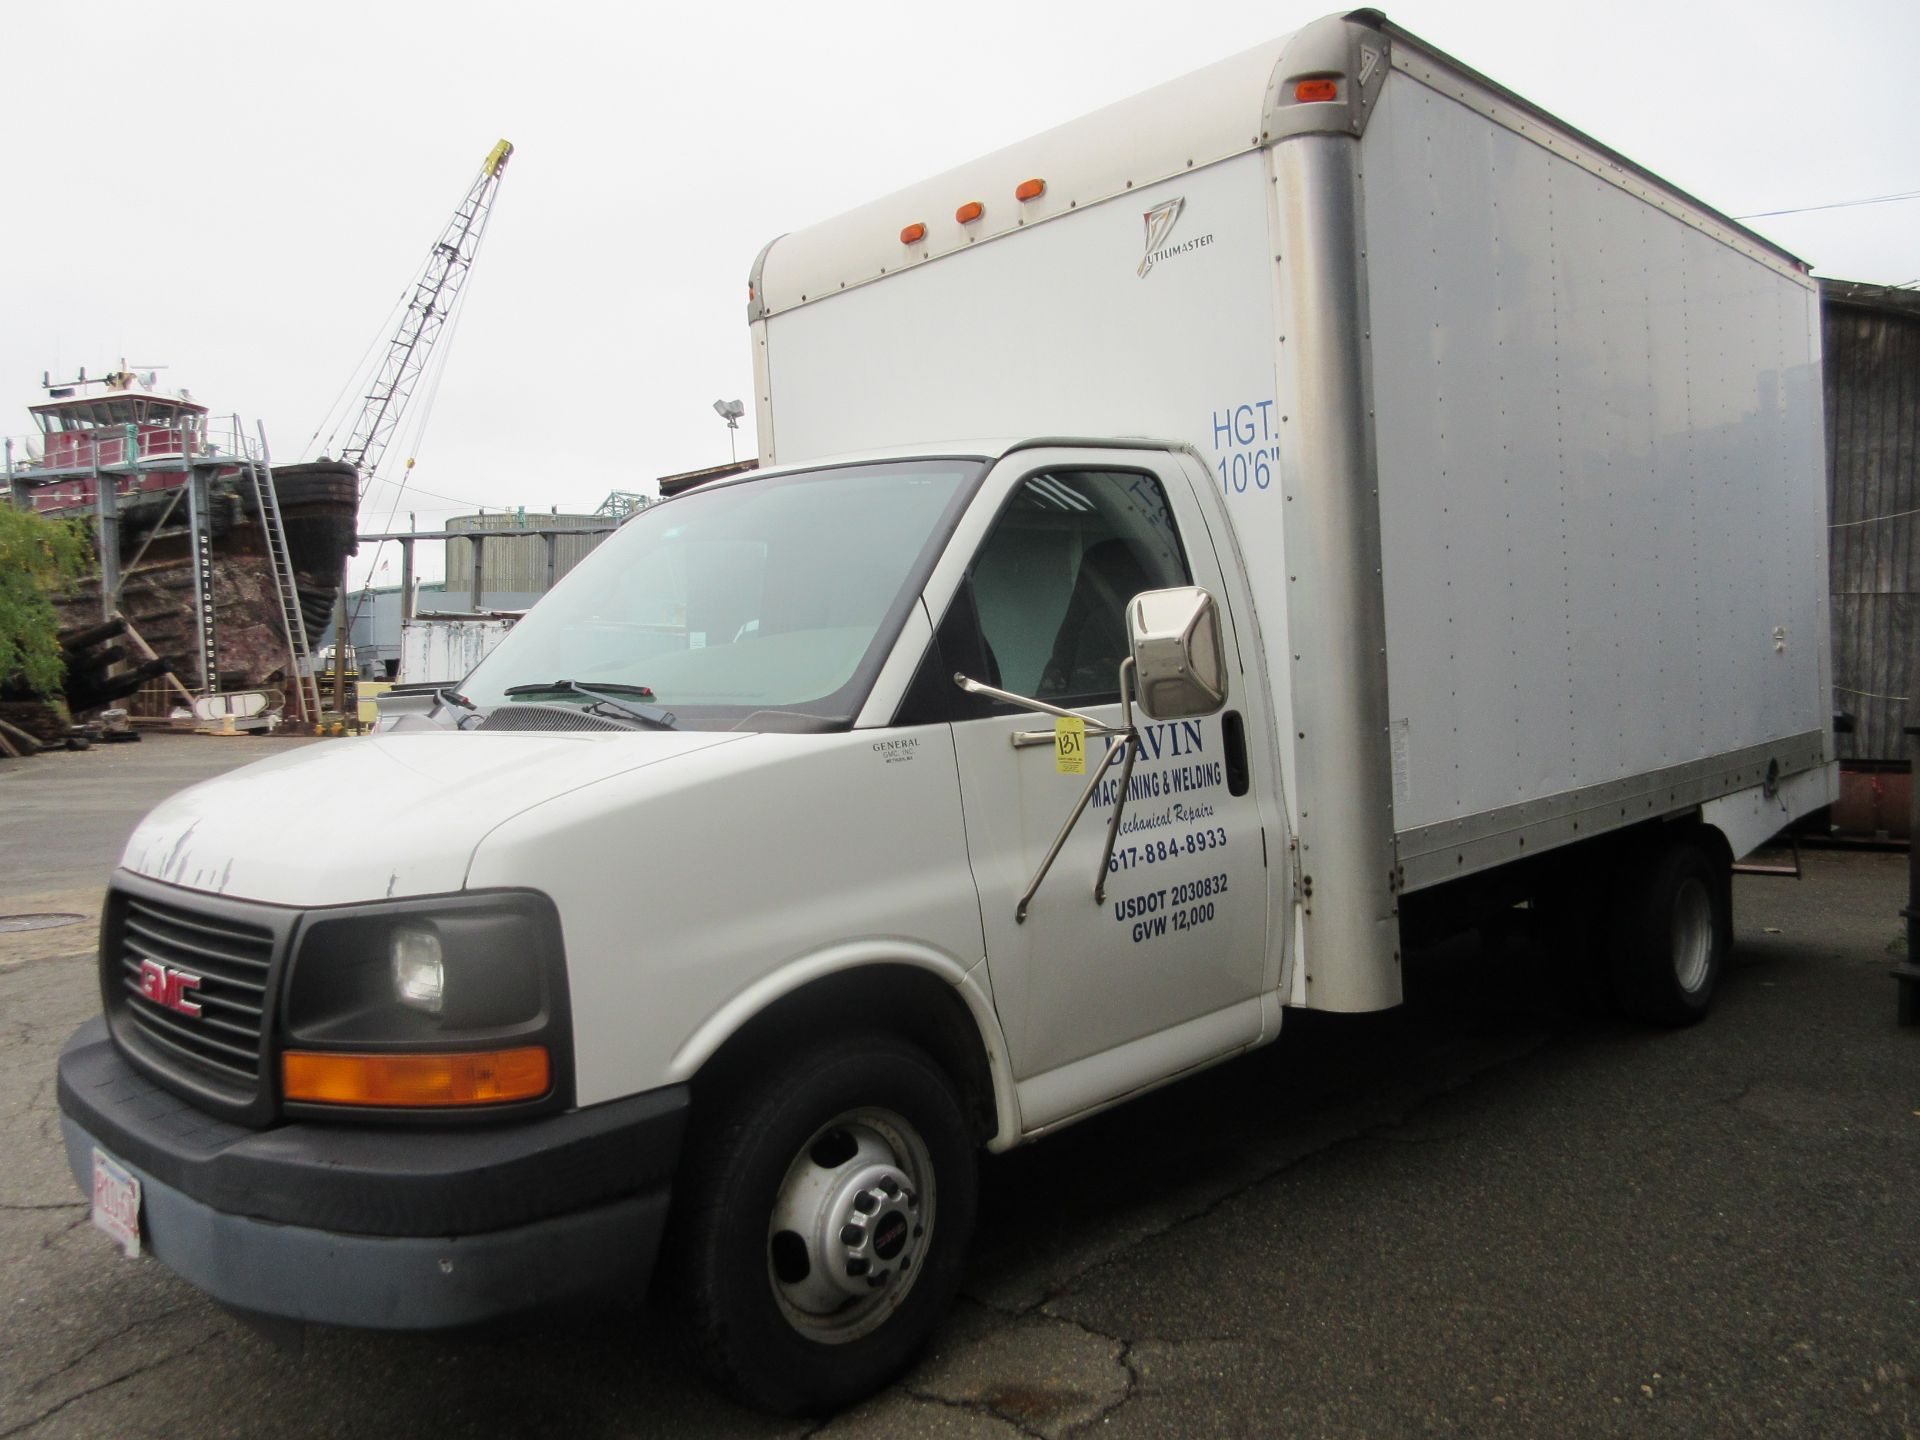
x=1692, y=934
x=850, y=1225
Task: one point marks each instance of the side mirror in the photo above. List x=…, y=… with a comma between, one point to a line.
x=1179, y=669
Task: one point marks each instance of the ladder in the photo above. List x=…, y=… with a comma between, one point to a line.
x=259, y=472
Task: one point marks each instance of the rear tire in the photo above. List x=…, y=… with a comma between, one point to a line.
x=1673, y=925
x=849, y=1164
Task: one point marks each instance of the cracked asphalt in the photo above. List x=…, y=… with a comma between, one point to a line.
x=1474, y=1215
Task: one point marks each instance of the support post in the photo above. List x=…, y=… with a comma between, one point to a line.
x=553, y=550
x=474, y=601
x=340, y=646
x=16, y=481
x=106, y=506
x=200, y=541
x=1906, y=974
x=406, y=580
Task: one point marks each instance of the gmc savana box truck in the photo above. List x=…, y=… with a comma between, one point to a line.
x=922, y=793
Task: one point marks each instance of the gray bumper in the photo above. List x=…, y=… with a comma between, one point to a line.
x=394, y=1228
x=387, y=1282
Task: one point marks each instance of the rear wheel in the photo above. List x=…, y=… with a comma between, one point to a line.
x=1673, y=924
x=822, y=1221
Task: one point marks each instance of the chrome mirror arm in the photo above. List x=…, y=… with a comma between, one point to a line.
x=1124, y=748
x=993, y=692
x=1122, y=754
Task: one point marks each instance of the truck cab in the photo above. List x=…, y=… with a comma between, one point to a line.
x=549, y=1005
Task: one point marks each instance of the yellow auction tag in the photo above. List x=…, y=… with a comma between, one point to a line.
x=1070, y=746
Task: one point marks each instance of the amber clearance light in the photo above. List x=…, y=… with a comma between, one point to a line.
x=1312, y=92
x=1029, y=189
x=483, y=1077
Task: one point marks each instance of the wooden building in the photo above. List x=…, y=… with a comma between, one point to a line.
x=1872, y=343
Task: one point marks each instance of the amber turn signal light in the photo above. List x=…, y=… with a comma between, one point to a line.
x=913, y=234
x=969, y=212
x=483, y=1077
x=1030, y=190
x=1312, y=91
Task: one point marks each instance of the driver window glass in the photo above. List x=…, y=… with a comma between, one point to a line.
x=1052, y=581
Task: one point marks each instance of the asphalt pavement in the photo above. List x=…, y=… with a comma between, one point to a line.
x=1474, y=1216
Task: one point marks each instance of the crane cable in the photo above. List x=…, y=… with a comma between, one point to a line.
x=356, y=379
x=415, y=422
x=366, y=370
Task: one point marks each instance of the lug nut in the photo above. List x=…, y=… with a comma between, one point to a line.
x=865, y=1203
x=851, y=1234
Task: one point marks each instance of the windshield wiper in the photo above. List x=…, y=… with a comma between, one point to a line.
x=646, y=714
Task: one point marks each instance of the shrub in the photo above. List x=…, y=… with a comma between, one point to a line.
x=39, y=557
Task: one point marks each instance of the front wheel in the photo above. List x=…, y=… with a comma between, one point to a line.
x=822, y=1220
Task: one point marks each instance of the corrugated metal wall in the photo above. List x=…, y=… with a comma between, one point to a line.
x=1872, y=343
x=518, y=564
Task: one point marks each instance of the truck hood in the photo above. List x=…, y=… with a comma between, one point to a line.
x=389, y=815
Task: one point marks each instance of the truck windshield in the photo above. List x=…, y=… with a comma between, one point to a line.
x=763, y=605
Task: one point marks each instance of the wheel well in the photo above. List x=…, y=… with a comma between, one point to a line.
x=1716, y=840
x=902, y=1000
x=1458, y=905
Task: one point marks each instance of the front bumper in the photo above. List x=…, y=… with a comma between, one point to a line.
x=390, y=1228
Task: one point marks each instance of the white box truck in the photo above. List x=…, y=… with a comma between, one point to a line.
x=921, y=793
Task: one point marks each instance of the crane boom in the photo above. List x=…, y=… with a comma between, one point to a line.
x=434, y=295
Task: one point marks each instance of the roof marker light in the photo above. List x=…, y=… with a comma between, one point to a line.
x=969, y=212
x=1314, y=91
x=913, y=234
x=1030, y=190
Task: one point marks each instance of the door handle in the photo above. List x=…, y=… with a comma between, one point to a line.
x=1233, y=731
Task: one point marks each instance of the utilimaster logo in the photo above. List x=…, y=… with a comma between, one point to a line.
x=1160, y=222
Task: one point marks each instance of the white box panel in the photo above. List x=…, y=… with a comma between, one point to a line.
x=1597, y=434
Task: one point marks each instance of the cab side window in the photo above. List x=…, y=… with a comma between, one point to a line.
x=1052, y=581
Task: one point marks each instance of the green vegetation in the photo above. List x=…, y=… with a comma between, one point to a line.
x=38, y=559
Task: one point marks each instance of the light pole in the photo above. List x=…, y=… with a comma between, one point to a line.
x=730, y=411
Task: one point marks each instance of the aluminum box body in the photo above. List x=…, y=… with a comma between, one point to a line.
x=1522, y=447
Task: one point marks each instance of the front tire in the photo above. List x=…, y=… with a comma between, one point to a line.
x=822, y=1221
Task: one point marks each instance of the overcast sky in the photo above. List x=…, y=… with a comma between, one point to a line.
x=240, y=192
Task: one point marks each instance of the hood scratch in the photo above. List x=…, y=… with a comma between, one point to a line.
x=176, y=860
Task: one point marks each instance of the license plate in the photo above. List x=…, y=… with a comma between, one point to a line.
x=116, y=1202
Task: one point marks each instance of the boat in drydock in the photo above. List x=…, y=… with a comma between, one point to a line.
x=172, y=495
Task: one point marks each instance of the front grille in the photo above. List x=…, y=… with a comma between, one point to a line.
x=232, y=959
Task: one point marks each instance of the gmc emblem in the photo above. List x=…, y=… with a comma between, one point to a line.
x=166, y=986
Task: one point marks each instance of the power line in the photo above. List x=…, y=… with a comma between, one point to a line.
x=1834, y=205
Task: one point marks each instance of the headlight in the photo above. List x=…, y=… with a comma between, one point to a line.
x=458, y=1000
x=419, y=977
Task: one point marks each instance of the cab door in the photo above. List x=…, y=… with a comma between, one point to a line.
x=1167, y=968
